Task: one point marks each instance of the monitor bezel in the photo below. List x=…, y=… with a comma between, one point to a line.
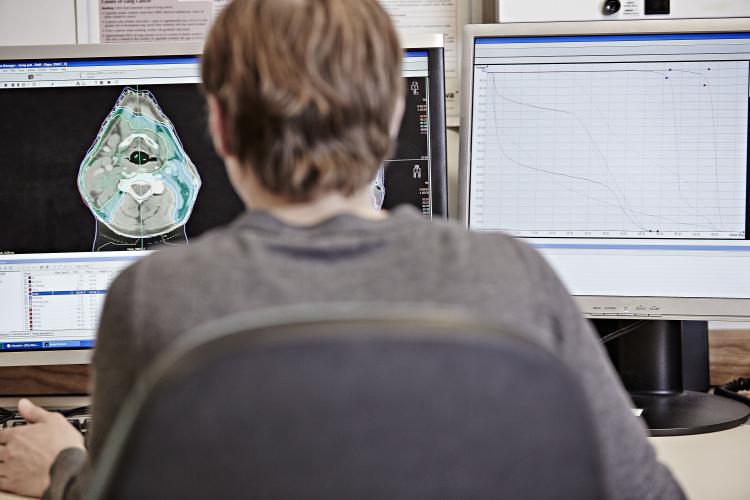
x=84, y=51
x=678, y=308
x=44, y=358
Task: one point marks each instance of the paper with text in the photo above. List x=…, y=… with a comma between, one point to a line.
x=429, y=17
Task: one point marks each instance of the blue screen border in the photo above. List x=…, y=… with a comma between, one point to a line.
x=612, y=38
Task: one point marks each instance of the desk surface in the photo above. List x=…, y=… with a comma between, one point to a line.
x=708, y=466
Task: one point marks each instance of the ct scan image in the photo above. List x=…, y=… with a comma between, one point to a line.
x=137, y=179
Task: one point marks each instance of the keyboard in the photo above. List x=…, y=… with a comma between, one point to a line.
x=80, y=418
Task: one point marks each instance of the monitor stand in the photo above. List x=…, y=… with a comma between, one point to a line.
x=649, y=361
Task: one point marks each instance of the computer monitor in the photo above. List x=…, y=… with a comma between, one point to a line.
x=106, y=157
x=619, y=150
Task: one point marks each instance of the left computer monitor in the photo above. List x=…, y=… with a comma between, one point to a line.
x=106, y=155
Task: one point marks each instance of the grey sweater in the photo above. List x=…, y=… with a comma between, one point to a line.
x=258, y=262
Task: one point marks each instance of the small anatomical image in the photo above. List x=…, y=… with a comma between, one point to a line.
x=136, y=178
x=377, y=189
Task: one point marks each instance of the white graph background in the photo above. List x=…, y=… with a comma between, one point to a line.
x=611, y=150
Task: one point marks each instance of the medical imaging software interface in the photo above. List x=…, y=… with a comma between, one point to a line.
x=103, y=160
x=623, y=159
x=405, y=177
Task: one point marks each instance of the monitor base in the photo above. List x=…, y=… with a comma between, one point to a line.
x=649, y=360
x=689, y=413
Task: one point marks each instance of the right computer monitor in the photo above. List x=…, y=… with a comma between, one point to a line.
x=620, y=151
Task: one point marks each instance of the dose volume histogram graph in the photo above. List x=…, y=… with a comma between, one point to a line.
x=620, y=150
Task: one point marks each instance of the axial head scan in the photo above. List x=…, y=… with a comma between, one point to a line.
x=137, y=179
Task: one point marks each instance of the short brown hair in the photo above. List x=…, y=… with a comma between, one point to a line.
x=308, y=88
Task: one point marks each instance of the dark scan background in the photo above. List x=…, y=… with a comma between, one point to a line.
x=400, y=185
x=46, y=132
x=44, y=135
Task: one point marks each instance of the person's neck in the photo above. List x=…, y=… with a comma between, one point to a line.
x=322, y=209
x=309, y=213
x=318, y=210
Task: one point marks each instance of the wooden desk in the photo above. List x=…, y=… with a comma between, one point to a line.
x=45, y=380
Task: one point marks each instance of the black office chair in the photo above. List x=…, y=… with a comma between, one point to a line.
x=353, y=403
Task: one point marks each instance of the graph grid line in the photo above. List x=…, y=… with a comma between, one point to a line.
x=649, y=150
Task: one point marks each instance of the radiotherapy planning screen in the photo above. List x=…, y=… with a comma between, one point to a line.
x=103, y=160
x=624, y=159
x=107, y=159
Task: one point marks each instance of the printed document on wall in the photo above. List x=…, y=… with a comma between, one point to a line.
x=122, y=21
x=433, y=17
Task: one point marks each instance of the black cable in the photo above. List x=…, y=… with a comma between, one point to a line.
x=730, y=390
x=6, y=414
x=622, y=331
x=75, y=412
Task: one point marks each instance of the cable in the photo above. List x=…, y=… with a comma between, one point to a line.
x=622, y=331
x=75, y=412
x=730, y=390
x=6, y=414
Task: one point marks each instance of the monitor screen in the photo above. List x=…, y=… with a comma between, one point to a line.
x=415, y=173
x=103, y=158
x=624, y=159
x=107, y=158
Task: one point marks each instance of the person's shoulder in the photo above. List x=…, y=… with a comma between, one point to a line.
x=497, y=257
x=485, y=247
x=172, y=265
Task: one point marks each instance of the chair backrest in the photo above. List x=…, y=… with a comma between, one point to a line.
x=352, y=403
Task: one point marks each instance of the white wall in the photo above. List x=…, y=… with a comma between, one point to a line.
x=37, y=22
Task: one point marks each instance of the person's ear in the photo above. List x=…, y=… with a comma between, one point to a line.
x=217, y=126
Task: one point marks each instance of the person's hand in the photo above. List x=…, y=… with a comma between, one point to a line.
x=27, y=452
